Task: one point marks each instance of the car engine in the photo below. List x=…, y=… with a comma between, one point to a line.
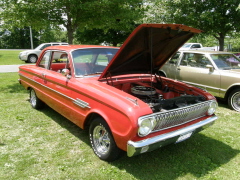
x=157, y=102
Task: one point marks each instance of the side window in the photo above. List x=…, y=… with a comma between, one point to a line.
x=59, y=61
x=186, y=59
x=45, y=60
x=45, y=45
x=202, y=61
x=196, y=46
x=195, y=60
x=174, y=58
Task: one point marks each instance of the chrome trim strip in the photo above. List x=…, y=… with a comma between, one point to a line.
x=81, y=103
x=77, y=101
x=134, y=148
x=202, y=85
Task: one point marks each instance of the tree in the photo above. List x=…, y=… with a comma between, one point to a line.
x=111, y=36
x=17, y=38
x=72, y=14
x=218, y=18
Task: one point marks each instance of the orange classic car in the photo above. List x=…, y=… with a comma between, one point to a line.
x=116, y=93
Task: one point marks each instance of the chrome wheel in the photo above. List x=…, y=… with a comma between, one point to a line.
x=234, y=100
x=34, y=100
x=101, y=139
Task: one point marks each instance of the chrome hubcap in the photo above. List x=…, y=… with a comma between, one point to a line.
x=236, y=101
x=33, y=59
x=33, y=98
x=101, y=139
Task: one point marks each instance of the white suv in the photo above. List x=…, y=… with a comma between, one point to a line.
x=31, y=56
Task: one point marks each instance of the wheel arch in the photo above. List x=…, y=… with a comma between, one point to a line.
x=230, y=90
x=90, y=118
x=120, y=137
x=32, y=54
x=162, y=73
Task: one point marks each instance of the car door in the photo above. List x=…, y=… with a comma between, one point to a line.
x=170, y=68
x=56, y=82
x=61, y=92
x=193, y=69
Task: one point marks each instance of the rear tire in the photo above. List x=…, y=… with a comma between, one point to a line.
x=234, y=100
x=102, y=141
x=35, y=102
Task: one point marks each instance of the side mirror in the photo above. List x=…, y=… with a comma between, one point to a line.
x=66, y=72
x=210, y=67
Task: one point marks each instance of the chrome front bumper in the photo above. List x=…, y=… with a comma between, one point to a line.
x=150, y=144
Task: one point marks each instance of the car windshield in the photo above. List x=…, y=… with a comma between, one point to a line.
x=186, y=45
x=92, y=61
x=226, y=61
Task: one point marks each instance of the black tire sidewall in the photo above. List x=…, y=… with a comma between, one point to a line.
x=39, y=104
x=230, y=97
x=114, y=151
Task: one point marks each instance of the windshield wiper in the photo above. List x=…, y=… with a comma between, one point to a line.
x=93, y=73
x=227, y=68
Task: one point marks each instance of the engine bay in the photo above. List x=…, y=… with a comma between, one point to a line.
x=161, y=93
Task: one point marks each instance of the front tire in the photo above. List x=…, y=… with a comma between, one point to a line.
x=32, y=59
x=35, y=102
x=160, y=73
x=102, y=141
x=234, y=100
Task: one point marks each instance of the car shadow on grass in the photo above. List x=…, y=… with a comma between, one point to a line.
x=66, y=124
x=13, y=88
x=197, y=156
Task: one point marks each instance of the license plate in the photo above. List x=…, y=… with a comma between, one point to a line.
x=184, y=137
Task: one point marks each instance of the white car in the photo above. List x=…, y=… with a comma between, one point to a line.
x=31, y=56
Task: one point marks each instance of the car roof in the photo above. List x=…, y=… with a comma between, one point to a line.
x=205, y=52
x=74, y=47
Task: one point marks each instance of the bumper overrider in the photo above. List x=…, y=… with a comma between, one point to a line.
x=150, y=144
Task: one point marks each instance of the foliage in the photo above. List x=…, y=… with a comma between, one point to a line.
x=44, y=145
x=72, y=14
x=112, y=36
x=218, y=18
x=19, y=38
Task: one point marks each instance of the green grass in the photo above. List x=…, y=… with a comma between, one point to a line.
x=44, y=145
x=10, y=57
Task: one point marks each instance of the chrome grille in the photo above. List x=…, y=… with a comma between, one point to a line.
x=180, y=116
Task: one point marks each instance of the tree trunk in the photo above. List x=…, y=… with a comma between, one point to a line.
x=221, y=42
x=70, y=35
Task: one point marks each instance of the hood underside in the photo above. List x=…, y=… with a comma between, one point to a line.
x=147, y=48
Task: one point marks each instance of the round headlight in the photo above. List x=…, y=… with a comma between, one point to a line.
x=146, y=126
x=212, y=108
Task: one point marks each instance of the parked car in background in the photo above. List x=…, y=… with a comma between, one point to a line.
x=216, y=72
x=31, y=56
x=237, y=54
x=197, y=46
x=116, y=93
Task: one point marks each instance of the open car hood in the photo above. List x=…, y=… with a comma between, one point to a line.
x=147, y=48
